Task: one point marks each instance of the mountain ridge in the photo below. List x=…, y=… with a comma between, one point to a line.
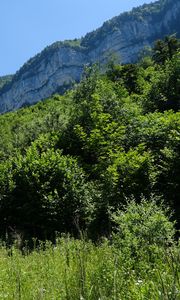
x=62, y=63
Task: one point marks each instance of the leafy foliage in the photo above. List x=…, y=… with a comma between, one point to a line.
x=142, y=226
x=67, y=162
x=49, y=187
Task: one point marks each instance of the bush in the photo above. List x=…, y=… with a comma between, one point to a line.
x=142, y=227
x=49, y=193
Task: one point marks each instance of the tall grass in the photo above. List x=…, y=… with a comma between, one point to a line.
x=78, y=269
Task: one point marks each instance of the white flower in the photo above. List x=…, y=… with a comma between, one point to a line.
x=139, y=282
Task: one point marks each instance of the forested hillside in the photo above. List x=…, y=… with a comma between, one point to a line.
x=68, y=163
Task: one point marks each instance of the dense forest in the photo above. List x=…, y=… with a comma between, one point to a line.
x=94, y=174
x=68, y=163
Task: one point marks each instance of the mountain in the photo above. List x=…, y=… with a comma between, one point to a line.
x=4, y=80
x=59, y=65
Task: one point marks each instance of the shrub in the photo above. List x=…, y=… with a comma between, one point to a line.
x=142, y=227
x=49, y=194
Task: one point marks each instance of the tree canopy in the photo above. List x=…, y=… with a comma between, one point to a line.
x=69, y=162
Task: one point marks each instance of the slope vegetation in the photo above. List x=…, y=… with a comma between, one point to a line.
x=67, y=163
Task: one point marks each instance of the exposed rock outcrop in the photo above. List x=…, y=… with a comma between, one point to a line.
x=62, y=63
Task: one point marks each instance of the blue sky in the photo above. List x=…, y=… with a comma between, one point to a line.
x=27, y=26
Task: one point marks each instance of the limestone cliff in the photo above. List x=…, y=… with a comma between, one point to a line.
x=62, y=63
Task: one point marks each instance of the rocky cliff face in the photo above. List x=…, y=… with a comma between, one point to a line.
x=43, y=78
x=62, y=63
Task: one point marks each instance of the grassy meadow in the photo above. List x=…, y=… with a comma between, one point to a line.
x=80, y=270
x=136, y=262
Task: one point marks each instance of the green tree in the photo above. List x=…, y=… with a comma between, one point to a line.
x=48, y=193
x=165, y=86
x=165, y=49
